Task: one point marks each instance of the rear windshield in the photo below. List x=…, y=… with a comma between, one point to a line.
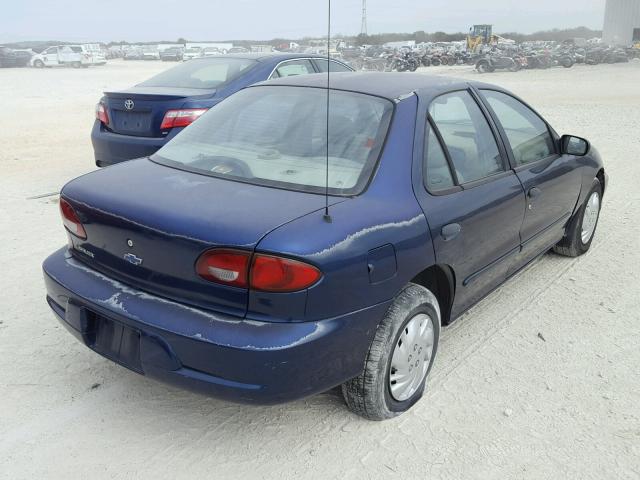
x=277, y=136
x=210, y=73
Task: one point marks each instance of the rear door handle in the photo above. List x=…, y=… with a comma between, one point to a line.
x=451, y=231
x=535, y=192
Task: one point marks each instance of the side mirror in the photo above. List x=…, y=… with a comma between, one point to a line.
x=571, y=145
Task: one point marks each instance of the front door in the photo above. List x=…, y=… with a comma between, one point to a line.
x=50, y=56
x=473, y=202
x=551, y=181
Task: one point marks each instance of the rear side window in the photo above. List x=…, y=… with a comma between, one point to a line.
x=293, y=67
x=437, y=175
x=209, y=73
x=527, y=133
x=467, y=136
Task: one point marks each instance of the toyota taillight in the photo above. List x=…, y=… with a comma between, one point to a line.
x=181, y=118
x=101, y=113
x=266, y=273
x=71, y=221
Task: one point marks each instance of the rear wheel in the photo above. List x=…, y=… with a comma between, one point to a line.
x=399, y=359
x=484, y=67
x=582, y=226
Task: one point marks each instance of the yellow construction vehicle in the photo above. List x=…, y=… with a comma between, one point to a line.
x=480, y=35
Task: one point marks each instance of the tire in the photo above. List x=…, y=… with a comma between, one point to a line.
x=483, y=67
x=566, y=62
x=38, y=64
x=374, y=394
x=576, y=242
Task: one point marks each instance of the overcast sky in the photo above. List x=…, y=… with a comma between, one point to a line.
x=148, y=20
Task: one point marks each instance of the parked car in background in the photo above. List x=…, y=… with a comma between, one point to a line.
x=93, y=53
x=173, y=54
x=214, y=264
x=238, y=50
x=8, y=58
x=150, y=52
x=210, y=51
x=58, y=56
x=23, y=57
x=136, y=122
x=191, y=53
x=134, y=54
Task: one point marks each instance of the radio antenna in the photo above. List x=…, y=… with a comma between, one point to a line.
x=327, y=217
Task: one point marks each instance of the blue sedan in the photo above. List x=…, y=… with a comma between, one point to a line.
x=252, y=260
x=137, y=122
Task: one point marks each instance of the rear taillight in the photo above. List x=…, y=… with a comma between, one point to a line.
x=101, y=113
x=181, y=118
x=71, y=221
x=229, y=267
x=276, y=274
x=266, y=273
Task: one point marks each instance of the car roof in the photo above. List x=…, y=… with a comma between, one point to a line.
x=391, y=85
x=277, y=56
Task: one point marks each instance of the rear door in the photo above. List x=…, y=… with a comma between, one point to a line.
x=473, y=202
x=551, y=181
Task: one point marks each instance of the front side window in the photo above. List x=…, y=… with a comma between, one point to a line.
x=527, y=133
x=467, y=136
x=277, y=136
x=209, y=73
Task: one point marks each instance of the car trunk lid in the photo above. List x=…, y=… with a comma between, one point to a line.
x=139, y=111
x=147, y=224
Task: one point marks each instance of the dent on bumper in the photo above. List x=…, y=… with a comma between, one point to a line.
x=229, y=357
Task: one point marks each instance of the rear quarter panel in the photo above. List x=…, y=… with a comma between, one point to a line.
x=386, y=215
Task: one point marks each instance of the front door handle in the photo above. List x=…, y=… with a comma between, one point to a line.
x=535, y=192
x=451, y=231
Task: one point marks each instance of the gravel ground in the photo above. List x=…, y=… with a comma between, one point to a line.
x=540, y=380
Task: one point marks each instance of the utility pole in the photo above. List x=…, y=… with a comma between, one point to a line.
x=363, y=29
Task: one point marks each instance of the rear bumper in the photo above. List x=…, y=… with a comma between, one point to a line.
x=111, y=148
x=219, y=355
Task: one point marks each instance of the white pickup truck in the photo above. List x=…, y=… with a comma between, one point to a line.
x=69, y=55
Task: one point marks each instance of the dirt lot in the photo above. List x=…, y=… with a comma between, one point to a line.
x=540, y=380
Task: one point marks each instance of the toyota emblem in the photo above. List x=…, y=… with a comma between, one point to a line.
x=128, y=104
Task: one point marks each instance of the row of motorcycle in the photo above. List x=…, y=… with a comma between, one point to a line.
x=547, y=58
x=511, y=59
